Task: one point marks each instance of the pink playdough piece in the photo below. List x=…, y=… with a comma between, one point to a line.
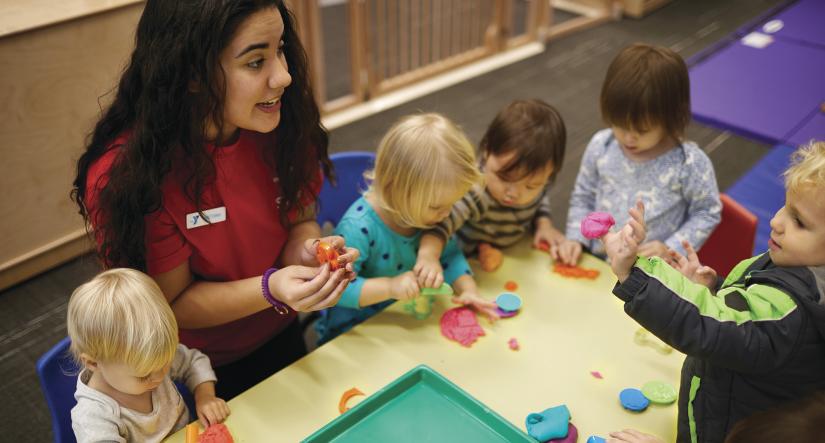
x=461, y=325
x=596, y=374
x=597, y=224
x=513, y=343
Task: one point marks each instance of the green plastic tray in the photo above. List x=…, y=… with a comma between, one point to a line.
x=420, y=406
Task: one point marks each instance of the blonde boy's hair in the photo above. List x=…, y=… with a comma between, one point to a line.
x=807, y=167
x=121, y=316
x=421, y=158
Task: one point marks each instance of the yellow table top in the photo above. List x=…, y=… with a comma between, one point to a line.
x=566, y=328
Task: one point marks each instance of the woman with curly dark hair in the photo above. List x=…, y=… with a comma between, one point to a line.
x=204, y=173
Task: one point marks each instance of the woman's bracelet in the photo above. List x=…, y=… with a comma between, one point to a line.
x=279, y=306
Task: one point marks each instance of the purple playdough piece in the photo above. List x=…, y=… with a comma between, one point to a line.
x=597, y=224
x=505, y=314
x=572, y=435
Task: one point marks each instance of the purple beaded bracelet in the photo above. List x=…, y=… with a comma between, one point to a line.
x=280, y=307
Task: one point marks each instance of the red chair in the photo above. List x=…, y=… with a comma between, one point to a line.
x=731, y=241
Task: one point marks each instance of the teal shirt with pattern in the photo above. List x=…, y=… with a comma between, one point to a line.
x=384, y=253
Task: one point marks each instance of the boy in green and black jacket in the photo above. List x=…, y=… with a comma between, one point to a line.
x=753, y=341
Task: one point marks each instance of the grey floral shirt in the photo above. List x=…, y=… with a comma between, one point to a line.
x=678, y=189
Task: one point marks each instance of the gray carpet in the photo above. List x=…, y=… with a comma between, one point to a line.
x=568, y=75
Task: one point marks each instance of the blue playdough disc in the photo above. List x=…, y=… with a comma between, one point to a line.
x=633, y=399
x=508, y=301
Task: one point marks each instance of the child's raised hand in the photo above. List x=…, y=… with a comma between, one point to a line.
x=429, y=272
x=654, y=249
x=622, y=246
x=404, y=286
x=306, y=289
x=211, y=410
x=481, y=305
x=691, y=268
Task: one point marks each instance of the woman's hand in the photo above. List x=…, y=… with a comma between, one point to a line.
x=306, y=289
x=346, y=256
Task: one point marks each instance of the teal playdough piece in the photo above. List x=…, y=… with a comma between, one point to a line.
x=508, y=301
x=659, y=392
x=595, y=439
x=550, y=424
x=444, y=289
x=633, y=399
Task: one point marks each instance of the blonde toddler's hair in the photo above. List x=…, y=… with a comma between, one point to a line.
x=121, y=316
x=807, y=168
x=421, y=158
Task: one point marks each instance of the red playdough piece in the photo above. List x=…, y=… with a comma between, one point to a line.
x=596, y=224
x=218, y=433
x=544, y=246
x=575, y=271
x=511, y=286
x=461, y=325
x=326, y=253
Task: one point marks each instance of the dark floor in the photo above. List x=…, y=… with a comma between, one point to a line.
x=568, y=75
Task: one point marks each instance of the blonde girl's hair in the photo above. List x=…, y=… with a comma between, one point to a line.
x=807, y=168
x=420, y=159
x=122, y=316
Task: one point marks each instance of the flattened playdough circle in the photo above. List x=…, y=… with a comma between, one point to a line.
x=633, y=399
x=659, y=392
x=505, y=314
x=508, y=301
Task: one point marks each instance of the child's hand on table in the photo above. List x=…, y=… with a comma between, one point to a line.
x=622, y=246
x=211, y=410
x=569, y=252
x=428, y=271
x=404, y=286
x=481, y=305
x=548, y=235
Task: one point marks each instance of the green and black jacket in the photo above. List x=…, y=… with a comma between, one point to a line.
x=758, y=342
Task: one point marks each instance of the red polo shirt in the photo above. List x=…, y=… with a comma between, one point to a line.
x=248, y=242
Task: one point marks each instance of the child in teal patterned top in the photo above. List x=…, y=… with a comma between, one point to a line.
x=423, y=166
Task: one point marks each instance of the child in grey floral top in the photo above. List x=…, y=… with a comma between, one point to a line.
x=645, y=100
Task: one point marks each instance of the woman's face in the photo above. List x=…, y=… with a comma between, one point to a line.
x=256, y=74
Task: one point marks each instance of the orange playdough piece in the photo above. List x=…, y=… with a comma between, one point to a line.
x=348, y=394
x=218, y=433
x=489, y=257
x=575, y=271
x=192, y=432
x=511, y=286
x=326, y=253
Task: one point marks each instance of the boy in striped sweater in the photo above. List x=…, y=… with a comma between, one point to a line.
x=522, y=152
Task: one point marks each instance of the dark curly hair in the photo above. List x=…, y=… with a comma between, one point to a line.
x=178, y=44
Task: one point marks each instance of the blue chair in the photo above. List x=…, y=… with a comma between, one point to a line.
x=58, y=377
x=349, y=172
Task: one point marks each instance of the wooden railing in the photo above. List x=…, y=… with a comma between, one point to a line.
x=394, y=43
